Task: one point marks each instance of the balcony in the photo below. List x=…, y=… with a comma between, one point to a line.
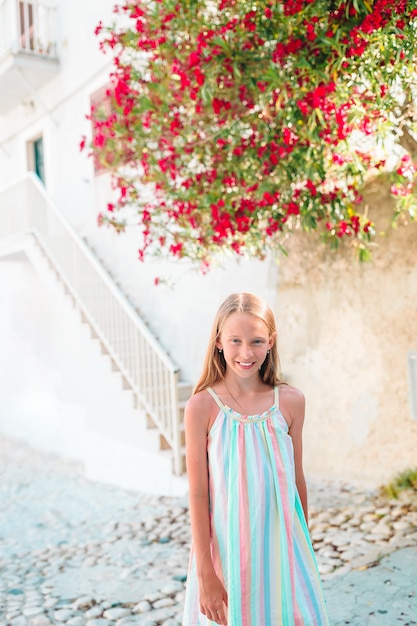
x=28, y=56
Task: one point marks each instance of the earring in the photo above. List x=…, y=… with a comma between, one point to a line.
x=220, y=350
x=267, y=351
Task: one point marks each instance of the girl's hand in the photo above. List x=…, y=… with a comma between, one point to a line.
x=213, y=599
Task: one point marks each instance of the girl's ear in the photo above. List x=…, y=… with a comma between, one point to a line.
x=219, y=344
x=272, y=340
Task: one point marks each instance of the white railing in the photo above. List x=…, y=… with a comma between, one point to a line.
x=153, y=377
x=27, y=26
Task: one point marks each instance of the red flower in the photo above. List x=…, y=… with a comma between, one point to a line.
x=163, y=164
x=219, y=105
x=355, y=223
x=343, y=229
x=292, y=208
x=311, y=187
x=199, y=76
x=193, y=59
x=302, y=105
x=99, y=140
x=176, y=249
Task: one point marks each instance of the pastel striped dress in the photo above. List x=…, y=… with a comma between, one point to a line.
x=260, y=544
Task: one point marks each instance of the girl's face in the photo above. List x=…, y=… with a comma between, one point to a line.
x=245, y=341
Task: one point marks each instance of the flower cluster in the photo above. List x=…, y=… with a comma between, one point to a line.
x=245, y=121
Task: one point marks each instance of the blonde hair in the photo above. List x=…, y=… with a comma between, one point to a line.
x=214, y=367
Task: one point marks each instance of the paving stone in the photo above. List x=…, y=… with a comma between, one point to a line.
x=30, y=611
x=95, y=611
x=63, y=615
x=40, y=620
x=19, y=621
x=142, y=607
x=116, y=613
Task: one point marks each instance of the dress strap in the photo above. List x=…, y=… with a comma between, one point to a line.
x=216, y=398
x=276, y=396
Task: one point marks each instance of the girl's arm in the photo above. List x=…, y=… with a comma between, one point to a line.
x=295, y=403
x=213, y=596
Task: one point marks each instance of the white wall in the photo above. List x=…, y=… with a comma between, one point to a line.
x=59, y=110
x=57, y=390
x=43, y=398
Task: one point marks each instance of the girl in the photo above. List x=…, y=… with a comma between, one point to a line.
x=252, y=562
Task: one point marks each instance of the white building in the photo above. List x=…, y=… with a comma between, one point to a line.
x=50, y=68
x=358, y=423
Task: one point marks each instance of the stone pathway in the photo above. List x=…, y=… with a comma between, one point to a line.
x=78, y=553
x=353, y=530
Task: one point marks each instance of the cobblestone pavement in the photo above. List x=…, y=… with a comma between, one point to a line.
x=79, y=553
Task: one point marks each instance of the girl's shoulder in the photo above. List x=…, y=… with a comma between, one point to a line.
x=201, y=406
x=292, y=394
x=292, y=403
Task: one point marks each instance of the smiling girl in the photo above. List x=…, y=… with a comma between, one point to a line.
x=252, y=562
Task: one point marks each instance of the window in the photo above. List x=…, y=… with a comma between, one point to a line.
x=27, y=40
x=36, y=161
x=100, y=101
x=104, y=105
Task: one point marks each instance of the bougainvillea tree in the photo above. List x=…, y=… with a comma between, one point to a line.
x=233, y=123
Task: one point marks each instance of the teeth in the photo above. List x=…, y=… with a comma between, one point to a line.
x=246, y=364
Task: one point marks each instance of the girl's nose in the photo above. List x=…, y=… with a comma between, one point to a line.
x=247, y=351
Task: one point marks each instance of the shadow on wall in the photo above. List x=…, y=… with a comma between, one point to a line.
x=51, y=375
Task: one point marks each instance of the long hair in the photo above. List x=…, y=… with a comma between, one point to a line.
x=214, y=368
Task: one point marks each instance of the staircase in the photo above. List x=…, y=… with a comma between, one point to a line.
x=146, y=369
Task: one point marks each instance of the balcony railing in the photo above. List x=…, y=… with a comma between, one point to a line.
x=27, y=26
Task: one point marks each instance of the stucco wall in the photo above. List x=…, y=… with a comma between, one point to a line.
x=345, y=332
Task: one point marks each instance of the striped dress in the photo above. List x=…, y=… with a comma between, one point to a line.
x=260, y=545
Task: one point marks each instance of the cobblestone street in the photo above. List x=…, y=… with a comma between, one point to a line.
x=87, y=554
x=76, y=552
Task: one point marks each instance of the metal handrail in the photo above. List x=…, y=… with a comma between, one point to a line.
x=149, y=371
